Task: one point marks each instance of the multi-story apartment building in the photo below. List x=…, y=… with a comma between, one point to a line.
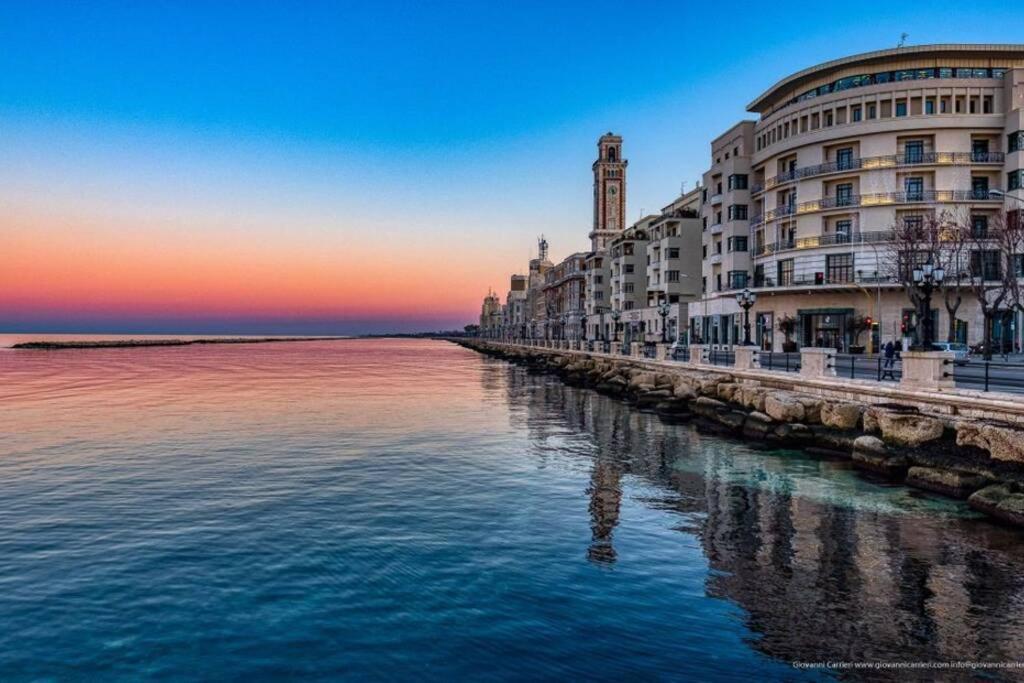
x=673, y=264
x=515, y=307
x=628, y=263
x=565, y=296
x=536, y=306
x=725, y=231
x=598, y=294
x=803, y=203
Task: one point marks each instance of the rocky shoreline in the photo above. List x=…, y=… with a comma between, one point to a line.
x=979, y=461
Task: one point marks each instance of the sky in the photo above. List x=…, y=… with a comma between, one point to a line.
x=342, y=168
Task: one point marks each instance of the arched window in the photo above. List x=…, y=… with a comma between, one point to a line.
x=611, y=154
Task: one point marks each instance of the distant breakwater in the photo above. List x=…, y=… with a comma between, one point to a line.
x=143, y=343
x=980, y=461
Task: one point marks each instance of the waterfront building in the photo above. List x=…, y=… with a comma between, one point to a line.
x=536, y=306
x=802, y=203
x=628, y=264
x=490, y=316
x=673, y=265
x=565, y=296
x=514, y=320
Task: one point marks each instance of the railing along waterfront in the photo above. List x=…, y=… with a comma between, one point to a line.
x=779, y=360
x=986, y=375
x=869, y=366
x=879, y=162
x=722, y=357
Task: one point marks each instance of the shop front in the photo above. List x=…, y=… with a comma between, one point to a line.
x=825, y=327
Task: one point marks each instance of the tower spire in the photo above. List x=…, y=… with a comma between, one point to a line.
x=609, y=191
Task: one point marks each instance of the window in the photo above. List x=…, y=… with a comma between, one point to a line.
x=872, y=111
x=737, y=279
x=979, y=226
x=929, y=106
x=979, y=150
x=627, y=287
x=844, y=158
x=985, y=264
x=979, y=187
x=738, y=181
x=759, y=275
x=913, y=225
x=915, y=189
x=738, y=212
x=628, y=268
x=704, y=251
x=703, y=285
x=738, y=243
x=843, y=230
x=718, y=247
x=1015, y=141
x=913, y=152
x=785, y=273
x=844, y=194
x=855, y=114
x=1018, y=265
x=1015, y=180
x=627, y=305
x=671, y=276
x=839, y=267
x=673, y=252
x=901, y=109
x=718, y=282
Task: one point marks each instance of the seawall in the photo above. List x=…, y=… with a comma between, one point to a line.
x=974, y=453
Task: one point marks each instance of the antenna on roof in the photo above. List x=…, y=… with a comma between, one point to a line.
x=682, y=188
x=903, y=39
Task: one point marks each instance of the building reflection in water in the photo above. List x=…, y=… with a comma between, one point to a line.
x=825, y=565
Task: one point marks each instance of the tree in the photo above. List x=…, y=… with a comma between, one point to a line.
x=787, y=326
x=859, y=325
x=993, y=269
x=936, y=238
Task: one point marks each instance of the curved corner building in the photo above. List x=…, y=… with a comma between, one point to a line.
x=799, y=205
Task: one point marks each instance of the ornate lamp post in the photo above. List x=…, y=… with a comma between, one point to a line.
x=616, y=314
x=663, y=309
x=746, y=299
x=927, y=279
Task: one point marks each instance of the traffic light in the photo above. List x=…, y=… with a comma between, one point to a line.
x=905, y=325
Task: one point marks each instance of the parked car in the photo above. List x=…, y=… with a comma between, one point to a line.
x=959, y=351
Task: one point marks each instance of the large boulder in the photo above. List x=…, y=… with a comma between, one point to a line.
x=1001, y=442
x=842, y=416
x=752, y=397
x=707, y=407
x=784, y=407
x=727, y=391
x=946, y=482
x=684, y=392
x=909, y=429
x=1002, y=501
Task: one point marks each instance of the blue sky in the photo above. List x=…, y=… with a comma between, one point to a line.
x=461, y=129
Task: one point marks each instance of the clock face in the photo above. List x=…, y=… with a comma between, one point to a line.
x=612, y=190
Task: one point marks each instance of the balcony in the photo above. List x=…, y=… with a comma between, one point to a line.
x=715, y=259
x=716, y=229
x=886, y=161
x=836, y=282
x=716, y=198
x=780, y=212
x=886, y=198
x=816, y=241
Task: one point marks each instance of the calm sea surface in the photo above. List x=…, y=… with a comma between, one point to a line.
x=411, y=510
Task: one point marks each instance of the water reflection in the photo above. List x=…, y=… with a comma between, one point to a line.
x=825, y=564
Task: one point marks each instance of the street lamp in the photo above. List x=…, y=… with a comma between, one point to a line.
x=999, y=194
x=616, y=314
x=663, y=309
x=927, y=278
x=746, y=299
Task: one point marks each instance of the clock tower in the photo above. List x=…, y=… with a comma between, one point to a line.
x=609, y=192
